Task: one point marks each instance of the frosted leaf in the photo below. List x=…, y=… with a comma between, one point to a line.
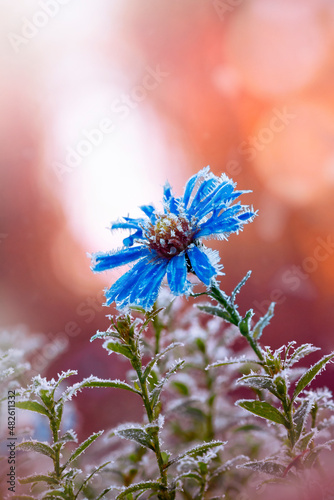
x=311, y=373
x=268, y=467
x=322, y=396
x=299, y=353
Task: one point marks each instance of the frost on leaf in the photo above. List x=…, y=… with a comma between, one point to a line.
x=83, y=446
x=263, y=322
x=143, y=435
x=298, y=353
x=268, y=467
x=311, y=373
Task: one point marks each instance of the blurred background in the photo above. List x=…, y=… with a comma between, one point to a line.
x=102, y=101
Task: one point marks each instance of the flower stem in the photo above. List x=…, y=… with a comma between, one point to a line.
x=158, y=327
x=232, y=316
x=210, y=430
x=138, y=367
x=54, y=429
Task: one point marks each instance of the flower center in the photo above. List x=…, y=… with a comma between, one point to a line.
x=170, y=235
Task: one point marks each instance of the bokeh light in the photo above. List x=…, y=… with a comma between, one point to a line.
x=103, y=101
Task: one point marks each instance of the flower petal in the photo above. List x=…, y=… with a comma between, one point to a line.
x=213, y=227
x=177, y=274
x=205, y=190
x=129, y=241
x=191, y=184
x=201, y=264
x=218, y=199
x=149, y=210
x=147, y=289
x=103, y=261
x=245, y=216
x=171, y=203
x=227, y=222
x=127, y=223
x=206, y=209
x=120, y=291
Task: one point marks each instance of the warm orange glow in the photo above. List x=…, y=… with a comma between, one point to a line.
x=295, y=159
x=102, y=101
x=277, y=46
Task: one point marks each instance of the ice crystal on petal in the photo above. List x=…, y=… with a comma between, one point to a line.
x=170, y=242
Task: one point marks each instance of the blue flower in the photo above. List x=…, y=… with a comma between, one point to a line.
x=171, y=241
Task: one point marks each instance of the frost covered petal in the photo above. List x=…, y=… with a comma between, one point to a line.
x=169, y=241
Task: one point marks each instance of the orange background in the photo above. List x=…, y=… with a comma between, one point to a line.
x=102, y=101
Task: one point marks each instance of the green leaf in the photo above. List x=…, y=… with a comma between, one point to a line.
x=305, y=440
x=313, y=454
x=118, y=348
x=32, y=406
x=64, y=375
x=119, y=384
x=249, y=427
x=82, y=447
x=89, y=477
x=156, y=358
x=264, y=410
x=22, y=497
x=55, y=494
x=215, y=311
x=38, y=447
x=165, y=457
x=47, y=397
x=310, y=374
x=196, y=451
x=263, y=322
x=146, y=485
x=190, y=475
x=149, y=317
x=201, y=345
x=271, y=468
x=138, y=434
x=37, y=478
x=239, y=286
x=104, y=492
x=97, y=382
x=301, y=415
x=68, y=436
x=246, y=322
x=154, y=398
x=105, y=335
x=301, y=352
x=181, y=388
x=220, y=296
x=259, y=382
x=281, y=383
x=233, y=361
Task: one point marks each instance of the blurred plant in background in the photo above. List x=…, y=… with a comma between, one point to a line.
x=101, y=101
x=192, y=366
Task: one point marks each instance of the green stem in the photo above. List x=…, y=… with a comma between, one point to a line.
x=201, y=493
x=210, y=431
x=158, y=329
x=221, y=298
x=254, y=345
x=137, y=365
x=288, y=413
x=235, y=318
x=54, y=430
